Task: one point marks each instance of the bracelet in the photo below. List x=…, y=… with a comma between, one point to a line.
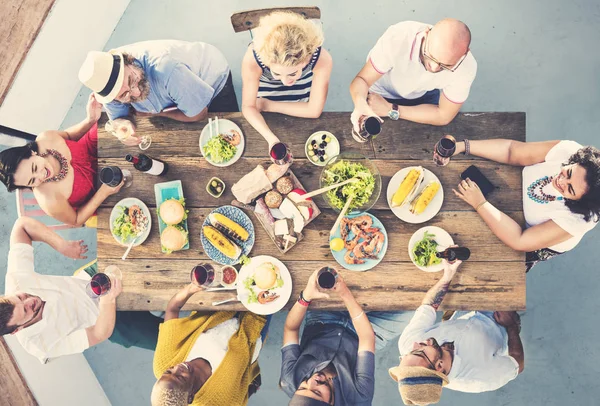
x=480, y=204
x=467, y=150
x=356, y=317
x=303, y=301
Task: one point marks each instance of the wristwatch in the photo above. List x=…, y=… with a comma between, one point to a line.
x=394, y=114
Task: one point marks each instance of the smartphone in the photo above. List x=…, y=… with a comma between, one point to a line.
x=476, y=176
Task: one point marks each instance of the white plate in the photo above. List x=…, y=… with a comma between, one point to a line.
x=332, y=149
x=441, y=236
x=225, y=126
x=403, y=212
x=284, y=292
x=128, y=202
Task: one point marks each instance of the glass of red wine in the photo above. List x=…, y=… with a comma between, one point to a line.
x=206, y=276
x=327, y=278
x=443, y=150
x=101, y=282
x=281, y=154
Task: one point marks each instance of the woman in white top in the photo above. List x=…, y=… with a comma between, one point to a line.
x=285, y=70
x=561, y=194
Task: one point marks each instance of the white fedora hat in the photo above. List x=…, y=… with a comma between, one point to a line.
x=103, y=73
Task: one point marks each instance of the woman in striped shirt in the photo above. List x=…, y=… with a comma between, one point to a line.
x=285, y=63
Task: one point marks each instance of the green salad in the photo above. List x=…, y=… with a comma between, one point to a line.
x=122, y=226
x=361, y=190
x=218, y=150
x=425, y=251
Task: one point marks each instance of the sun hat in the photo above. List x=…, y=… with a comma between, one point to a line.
x=418, y=385
x=103, y=73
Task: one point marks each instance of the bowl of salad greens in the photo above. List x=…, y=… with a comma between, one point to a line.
x=130, y=219
x=222, y=142
x=365, y=191
x=423, y=246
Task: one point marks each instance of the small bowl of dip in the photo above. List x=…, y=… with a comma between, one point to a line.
x=230, y=275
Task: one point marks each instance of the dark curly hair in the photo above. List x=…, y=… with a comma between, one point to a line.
x=589, y=205
x=9, y=162
x=6, y=312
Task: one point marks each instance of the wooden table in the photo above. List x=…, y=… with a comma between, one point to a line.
x=492, y=279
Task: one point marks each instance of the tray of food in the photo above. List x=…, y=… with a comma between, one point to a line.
x=172, y=216
x=274, y=196
x=227, y=235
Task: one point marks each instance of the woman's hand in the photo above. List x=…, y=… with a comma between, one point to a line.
x=108, y=190
x=469, y=192
x=311, y=291
x=93, y=109
x=192, y=288
x=262, y=104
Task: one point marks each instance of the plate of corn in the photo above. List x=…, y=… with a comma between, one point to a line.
x=415, y=194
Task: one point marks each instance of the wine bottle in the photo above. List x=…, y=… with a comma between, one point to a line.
x=144, y=163
x=454, y=253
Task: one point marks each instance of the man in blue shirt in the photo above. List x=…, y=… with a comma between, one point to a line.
x=175, y=79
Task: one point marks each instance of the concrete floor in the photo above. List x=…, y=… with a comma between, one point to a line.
x=535, y=56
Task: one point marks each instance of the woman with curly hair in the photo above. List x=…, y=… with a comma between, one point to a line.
x=285, y=63
x=561, y=194
x=60, y=167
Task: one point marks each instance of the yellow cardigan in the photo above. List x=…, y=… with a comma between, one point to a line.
x=228, y=385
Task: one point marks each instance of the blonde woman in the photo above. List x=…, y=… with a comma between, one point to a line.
x=285, y=63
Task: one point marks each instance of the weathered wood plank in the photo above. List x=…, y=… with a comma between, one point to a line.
x=195, y=173
x=249, y=19
x=148, y=285
x=467, y=229
x=13, y=386
x=21, y=23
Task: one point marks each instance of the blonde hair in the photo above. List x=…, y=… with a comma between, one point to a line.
x=286, y=38
x=162, y=396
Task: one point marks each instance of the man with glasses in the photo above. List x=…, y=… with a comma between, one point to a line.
x=472, y=352
x=175, y=79
x=416, y=72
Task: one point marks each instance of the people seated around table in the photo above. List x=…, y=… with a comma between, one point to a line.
x=416, y=72
x=561, y=194
x=51, y=316
x=206, y=358
x=285, y=70
x=472, y=352
x=60, y=167
x=179, y=80
x=334, y=362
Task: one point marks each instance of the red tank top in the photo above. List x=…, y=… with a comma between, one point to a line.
x=84, y=160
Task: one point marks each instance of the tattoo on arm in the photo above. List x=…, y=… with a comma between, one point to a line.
x=435, y=295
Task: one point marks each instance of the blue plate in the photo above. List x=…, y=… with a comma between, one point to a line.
x=369, y=263
x=243, y=220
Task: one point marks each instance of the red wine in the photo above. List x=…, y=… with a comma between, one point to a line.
x=203, y=275
x=454, y=253
x=279, y=151
x=372, y=126
x=111, y=176
x=327, y=277
x=100, y=284
x=144, y=163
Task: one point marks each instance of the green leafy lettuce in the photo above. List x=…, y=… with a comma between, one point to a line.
x=425, y=251
x=218, y=150
x=122, y=226
x=361, y=190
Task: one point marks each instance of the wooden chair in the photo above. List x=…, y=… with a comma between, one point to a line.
x=28, y=206
x=249, y=19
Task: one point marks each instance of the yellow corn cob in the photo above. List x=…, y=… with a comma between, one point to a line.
x=406, y=187
x=222, y=243
x=420, y=203
x=228, y=226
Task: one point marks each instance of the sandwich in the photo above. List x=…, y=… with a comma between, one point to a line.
x=266, y=275
x=173, y=238
x=171, y=211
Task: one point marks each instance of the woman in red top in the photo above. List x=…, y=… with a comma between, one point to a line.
x=60, y=167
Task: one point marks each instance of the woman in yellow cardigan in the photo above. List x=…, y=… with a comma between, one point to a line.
x=206, y=358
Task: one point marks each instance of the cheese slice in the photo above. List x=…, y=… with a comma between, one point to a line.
x=281, y=227
x=290, y=211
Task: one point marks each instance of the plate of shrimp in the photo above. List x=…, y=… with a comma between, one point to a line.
x=365, y=242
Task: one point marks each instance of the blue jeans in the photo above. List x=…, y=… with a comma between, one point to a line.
x=431, y=97
x=386, y=325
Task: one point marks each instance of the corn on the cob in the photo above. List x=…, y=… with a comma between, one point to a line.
x=420, y=203
x=228, y=227
x=407, y=187
x=222, y=243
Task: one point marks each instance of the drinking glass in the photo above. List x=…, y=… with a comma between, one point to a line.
x=327, y=278
x=206, y=276
x=443, y=150
x=124, y=133
x=368, y=128
x=113, y=175
x=281, y=154
x=101, y=282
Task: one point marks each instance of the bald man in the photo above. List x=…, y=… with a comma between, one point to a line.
x=416, y=72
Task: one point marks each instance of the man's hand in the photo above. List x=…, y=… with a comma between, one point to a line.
x=378, y=104
x=124, y=130
x=311, y=291
x=73, y=249
x=361, y=109
x=93, y=109
x=508, y=320
x=341, y=288
x=450, y=268
x=116, y=287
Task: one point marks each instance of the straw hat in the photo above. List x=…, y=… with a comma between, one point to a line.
x=418, y=385
x=103, y=73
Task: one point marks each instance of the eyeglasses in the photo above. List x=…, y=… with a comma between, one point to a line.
x=441, y=65
x=421, y=353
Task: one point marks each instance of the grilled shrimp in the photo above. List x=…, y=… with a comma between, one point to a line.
x=265, y=297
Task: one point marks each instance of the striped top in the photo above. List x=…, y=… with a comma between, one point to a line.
x=274, y=89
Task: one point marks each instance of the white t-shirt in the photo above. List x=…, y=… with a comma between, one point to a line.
x=66, y=315
x=396, y=56
x=481, y=361
x=212, y=345
x=537, y=213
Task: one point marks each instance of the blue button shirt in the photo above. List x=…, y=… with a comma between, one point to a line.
x=187, y=75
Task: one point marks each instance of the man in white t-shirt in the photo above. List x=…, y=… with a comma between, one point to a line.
x=51, y=315
x=409, y=66
x=472, y=352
